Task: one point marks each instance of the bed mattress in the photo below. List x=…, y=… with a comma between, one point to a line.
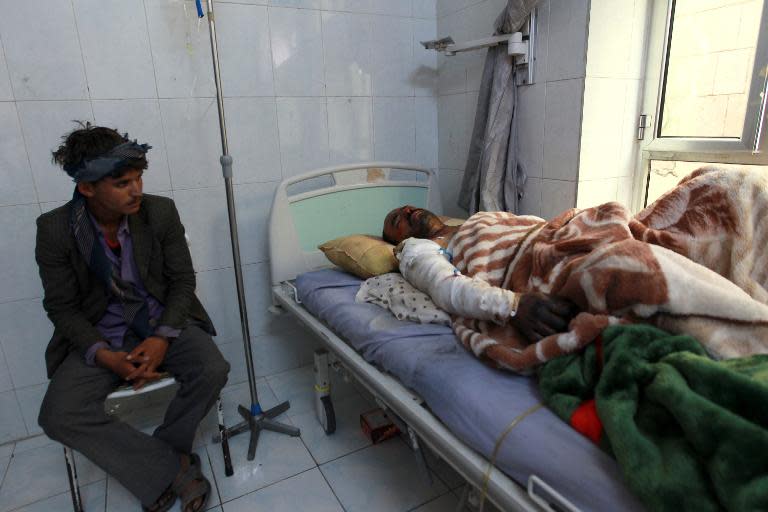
x=476, y=402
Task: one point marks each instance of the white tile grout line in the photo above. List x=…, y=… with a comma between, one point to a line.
x=361, y=13
x=263, y=96
x=282, y=372
x=333, y=491
x=21, y=412
x=456, y=11
x=26, y=152
x=432, y=472
x=82, y=60
x=274, y=96
x=14, y=388
x=416, y=507
x=373, y=101
x=6, y=470
x=157, y=98
x=265, y=487
x=345, y=455
x=213, y=474
x=325, y=87
x=43, y=498
x=34, y=185
x=7, y=70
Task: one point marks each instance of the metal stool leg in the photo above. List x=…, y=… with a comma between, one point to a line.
x=74, y=485
x=224, y=438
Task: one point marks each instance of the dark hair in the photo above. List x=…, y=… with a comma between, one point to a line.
x=88, y=142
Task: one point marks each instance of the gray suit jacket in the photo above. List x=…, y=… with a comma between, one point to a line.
x=75, y=299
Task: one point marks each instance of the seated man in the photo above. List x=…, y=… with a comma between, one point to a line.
x=120, y=290
x=690, y=264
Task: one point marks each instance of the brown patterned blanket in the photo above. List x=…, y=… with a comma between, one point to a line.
x=693, y=262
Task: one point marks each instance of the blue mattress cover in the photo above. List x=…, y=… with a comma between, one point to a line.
x=476, y=402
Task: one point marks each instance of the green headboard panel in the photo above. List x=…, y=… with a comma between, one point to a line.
x=349, y=212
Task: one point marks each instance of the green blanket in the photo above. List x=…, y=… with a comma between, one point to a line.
x=689, y=433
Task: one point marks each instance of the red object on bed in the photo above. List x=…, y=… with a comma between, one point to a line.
x=586, y=421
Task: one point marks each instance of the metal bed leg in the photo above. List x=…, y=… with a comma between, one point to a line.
x=412, y=441
x=421, y=459
x=323, y=403
x=74, y=485
x=462, y=506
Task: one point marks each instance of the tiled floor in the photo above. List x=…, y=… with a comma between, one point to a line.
x=318, y=473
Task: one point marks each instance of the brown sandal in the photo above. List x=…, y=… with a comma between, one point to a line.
x=186, y=489
x=163, y=503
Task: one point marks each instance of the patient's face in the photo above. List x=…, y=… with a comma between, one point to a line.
x=409, y=221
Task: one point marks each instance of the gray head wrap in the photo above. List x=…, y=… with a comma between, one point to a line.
x=116, y=158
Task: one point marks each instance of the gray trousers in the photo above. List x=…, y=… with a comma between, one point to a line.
x=73, y=413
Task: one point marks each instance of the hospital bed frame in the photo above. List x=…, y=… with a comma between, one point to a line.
x=336, y=201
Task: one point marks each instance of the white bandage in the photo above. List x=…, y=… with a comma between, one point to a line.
x=426, y=267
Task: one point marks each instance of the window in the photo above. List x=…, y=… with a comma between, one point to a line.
x=705, y=90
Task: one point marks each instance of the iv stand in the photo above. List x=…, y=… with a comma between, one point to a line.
x=254, y=418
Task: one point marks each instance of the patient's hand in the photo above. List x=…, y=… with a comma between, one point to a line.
x=540, y=315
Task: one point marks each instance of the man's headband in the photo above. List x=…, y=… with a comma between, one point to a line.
x=94, y=169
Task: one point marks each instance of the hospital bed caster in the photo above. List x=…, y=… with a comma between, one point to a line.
x=323, y=404
x=326, y=415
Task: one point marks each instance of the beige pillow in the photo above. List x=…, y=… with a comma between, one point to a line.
x=451, y=221
x=362, y=255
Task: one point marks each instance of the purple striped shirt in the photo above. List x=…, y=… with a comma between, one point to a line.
x=112, y=325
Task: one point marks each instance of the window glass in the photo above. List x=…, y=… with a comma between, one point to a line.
x=709, y=70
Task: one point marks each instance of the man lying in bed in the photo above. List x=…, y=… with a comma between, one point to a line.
x=689, y=263
x=535, y=314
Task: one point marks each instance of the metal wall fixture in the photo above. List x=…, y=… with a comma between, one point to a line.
x=520, y=45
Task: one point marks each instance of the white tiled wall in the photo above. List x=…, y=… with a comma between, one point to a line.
x=550, y=110
x=612, y=100
x=307, y=83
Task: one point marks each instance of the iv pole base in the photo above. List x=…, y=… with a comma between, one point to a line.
x=255, y=423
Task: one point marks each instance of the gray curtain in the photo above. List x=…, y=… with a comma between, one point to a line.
x=493, y=179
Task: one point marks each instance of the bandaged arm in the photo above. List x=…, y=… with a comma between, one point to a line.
x=424, y=264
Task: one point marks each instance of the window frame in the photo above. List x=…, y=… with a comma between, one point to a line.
x=750, y=148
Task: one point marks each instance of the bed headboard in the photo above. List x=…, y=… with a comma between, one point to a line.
x=320, y=205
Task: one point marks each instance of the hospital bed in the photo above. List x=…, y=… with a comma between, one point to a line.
x=487, y=424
